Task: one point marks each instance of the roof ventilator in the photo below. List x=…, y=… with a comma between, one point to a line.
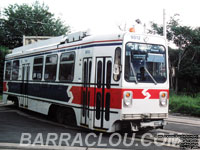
x=77, y=36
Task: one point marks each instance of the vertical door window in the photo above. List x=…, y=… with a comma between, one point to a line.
x=99, y=73
x=85, y=74
x=90, y=70
x=108, y=74
x=107, y=110
x=98, y=105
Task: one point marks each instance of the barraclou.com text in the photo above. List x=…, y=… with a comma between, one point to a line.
x=89, y=140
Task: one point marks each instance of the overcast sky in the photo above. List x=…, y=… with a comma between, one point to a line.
x=105, y=15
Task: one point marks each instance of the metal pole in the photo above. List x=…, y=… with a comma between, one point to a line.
x=24, y=40
x=164, y=24
x=0, y=13
x=144, y=28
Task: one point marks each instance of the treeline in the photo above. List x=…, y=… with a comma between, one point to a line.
x=29, y=20
x=185, y=60
x=3, y=52
x=186, y=79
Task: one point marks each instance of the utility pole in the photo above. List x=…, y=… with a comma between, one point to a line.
x=0, y=12
x=164, y=24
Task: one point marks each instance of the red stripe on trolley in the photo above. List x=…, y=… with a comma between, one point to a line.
x=117, y=95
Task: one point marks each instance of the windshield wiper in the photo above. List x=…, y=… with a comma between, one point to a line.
x=133, y=70
x=150, y=75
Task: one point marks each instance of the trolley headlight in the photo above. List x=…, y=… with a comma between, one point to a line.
x=128, y=98
x=163, y=98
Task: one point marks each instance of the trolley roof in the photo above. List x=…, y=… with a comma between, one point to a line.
x=71, y=40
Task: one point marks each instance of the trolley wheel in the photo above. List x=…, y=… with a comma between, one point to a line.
x=60, y=115
x=65, y=115
x=16, y=103
x=70, y=119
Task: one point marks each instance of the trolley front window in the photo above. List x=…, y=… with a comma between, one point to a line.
x=145, y=63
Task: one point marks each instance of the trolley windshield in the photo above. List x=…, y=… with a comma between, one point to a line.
x=145, y=63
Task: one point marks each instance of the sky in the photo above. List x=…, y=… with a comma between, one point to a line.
x=102, y=16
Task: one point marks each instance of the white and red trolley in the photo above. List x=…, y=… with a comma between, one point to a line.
x=104, y=82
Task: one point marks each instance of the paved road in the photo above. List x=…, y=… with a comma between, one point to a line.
x=14, y=123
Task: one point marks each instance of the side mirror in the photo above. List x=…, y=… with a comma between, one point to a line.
x=116, y=69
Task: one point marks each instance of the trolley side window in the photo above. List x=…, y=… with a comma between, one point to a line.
x=8, y=71
x=37, y=68
x=67, y=61
x=117, y=64
x=51, y=67
x=15, y=70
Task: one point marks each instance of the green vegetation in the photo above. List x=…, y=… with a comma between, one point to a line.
x=28, y=20
x=0, y=98
x=184, y=61
x=3, y=52
x=185, y=104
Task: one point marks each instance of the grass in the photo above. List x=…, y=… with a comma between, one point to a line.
x=184, y=104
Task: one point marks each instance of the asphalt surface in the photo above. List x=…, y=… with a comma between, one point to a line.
x=16, y=122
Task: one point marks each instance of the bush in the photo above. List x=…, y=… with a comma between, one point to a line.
x=184, y=104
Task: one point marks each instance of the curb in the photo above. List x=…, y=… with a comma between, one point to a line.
x=186, y=120
x=15, y=146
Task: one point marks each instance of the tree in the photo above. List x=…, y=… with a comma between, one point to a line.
x=34, y=20
x=187, y=57
x=3, y=52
